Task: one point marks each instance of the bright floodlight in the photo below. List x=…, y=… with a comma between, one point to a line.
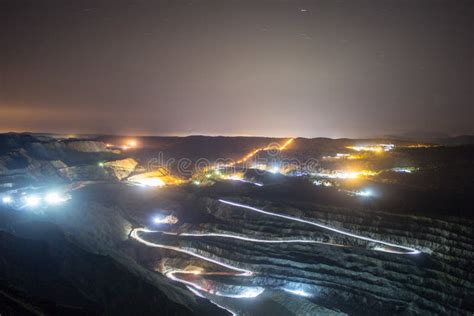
x=364, y=193
x=275, y=170
x=55, y=198
x=32, y=200
x=150, y=182
x=7, y=199
x=160, y=220
x=170, y=219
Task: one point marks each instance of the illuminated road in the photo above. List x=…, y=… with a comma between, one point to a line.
x=246, y=181
x=256, y=151
x=135, y=234
x=405, y=250
x=181, y=275
x=269, y=241
x=184, y=276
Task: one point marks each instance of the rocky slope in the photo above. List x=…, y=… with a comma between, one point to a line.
x=79, y=259
x=355, y=279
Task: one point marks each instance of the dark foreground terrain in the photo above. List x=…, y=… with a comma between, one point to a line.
x=395, y=238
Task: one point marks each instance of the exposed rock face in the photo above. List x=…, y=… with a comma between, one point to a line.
x=160, y=177
x=86, y=146
x=438, y=281
x=28, y=159
x=82, y=173
x=121, y=168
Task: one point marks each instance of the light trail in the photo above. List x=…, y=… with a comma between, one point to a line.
x=288, y=142
x=172, y=274
x=134, y=234
x=407, y=250
x=256, y=151
x=269, y=241
x=180, y=275
x=246, y=181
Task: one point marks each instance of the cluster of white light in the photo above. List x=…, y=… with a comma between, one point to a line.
x=387, y=147
x=375, y=148
x=323, y=183
x=52, y=198
x=34, y=200
x=55, y=198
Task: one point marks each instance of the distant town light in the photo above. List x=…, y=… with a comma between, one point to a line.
x=378, y=148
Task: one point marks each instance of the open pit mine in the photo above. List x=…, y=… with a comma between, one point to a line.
x=235, y=226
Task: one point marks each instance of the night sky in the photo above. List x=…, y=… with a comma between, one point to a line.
x=274, y=68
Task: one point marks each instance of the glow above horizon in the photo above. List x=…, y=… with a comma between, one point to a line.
x=282, y=69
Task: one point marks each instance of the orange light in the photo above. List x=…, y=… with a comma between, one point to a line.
x=288, y=142
x=256, y=151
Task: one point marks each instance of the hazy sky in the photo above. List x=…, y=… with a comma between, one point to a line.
x=276, y=68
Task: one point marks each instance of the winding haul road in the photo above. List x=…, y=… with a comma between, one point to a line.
x=403, y=249
x=184, y=276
